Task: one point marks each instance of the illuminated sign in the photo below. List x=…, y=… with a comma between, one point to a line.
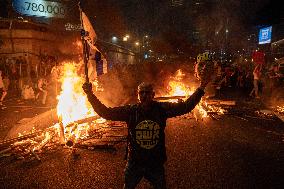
x=146, y=56
x=73, y=27
x=40, y=8
x=265, y=35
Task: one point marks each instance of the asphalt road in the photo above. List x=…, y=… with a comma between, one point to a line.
x=235, y=151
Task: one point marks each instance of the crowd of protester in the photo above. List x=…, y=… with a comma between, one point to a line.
x=18, y=80
x=249, y=79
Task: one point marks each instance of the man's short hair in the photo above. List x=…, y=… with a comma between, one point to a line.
x=145, y=86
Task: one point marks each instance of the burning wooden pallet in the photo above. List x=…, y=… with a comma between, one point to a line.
x=30, y=146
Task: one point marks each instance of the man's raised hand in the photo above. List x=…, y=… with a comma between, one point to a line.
x=87, y=87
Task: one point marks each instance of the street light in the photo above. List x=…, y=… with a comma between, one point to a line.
x=114, y=39
x=137, y=46
x=145, y=43
x=143, y=39
x=126, y=37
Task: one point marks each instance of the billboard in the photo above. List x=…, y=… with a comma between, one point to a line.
x=40, y=8
x=265, y=35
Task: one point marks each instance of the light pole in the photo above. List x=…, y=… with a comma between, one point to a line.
x=138, y=46
x=145, y=45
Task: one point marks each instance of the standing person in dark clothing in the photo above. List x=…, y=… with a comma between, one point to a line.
x=33, y=78
x=41, y=90
x=274, y=76
x=3, y=88
x=14, y=78
x=146, y=123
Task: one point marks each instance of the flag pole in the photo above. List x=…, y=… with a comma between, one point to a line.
x=85, y=45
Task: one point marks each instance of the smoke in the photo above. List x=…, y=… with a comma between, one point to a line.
x=228, y=22
x=120, y=84
x=273, y=97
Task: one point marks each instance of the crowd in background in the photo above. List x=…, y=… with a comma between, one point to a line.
x=250, y=79
x=20, y=80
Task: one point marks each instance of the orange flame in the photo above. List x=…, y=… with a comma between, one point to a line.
x=178, y=88
x=73, y=104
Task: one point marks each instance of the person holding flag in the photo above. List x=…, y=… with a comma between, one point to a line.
x=146, y=122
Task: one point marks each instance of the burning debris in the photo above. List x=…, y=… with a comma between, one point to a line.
x=29, y=146
x=78, y=124
x=80, y=127
x=177, y=90
x=280, y=109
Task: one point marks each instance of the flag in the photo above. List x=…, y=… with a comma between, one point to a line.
x=90, y=34
x=97, y=64
x=258, y=57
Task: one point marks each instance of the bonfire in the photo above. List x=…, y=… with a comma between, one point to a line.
x=77, y=120
x=177, y=90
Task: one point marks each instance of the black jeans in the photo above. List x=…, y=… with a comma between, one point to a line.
x=154, y=174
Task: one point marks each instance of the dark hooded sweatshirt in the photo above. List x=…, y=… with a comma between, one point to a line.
x=146, y=140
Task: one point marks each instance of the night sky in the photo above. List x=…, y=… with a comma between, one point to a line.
x=3, y=8
x=158, y=18
x=271, y=13
x=153, y=15
x=175, y=24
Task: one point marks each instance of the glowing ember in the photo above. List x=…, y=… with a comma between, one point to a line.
x=280, y=109
x=216, y=109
